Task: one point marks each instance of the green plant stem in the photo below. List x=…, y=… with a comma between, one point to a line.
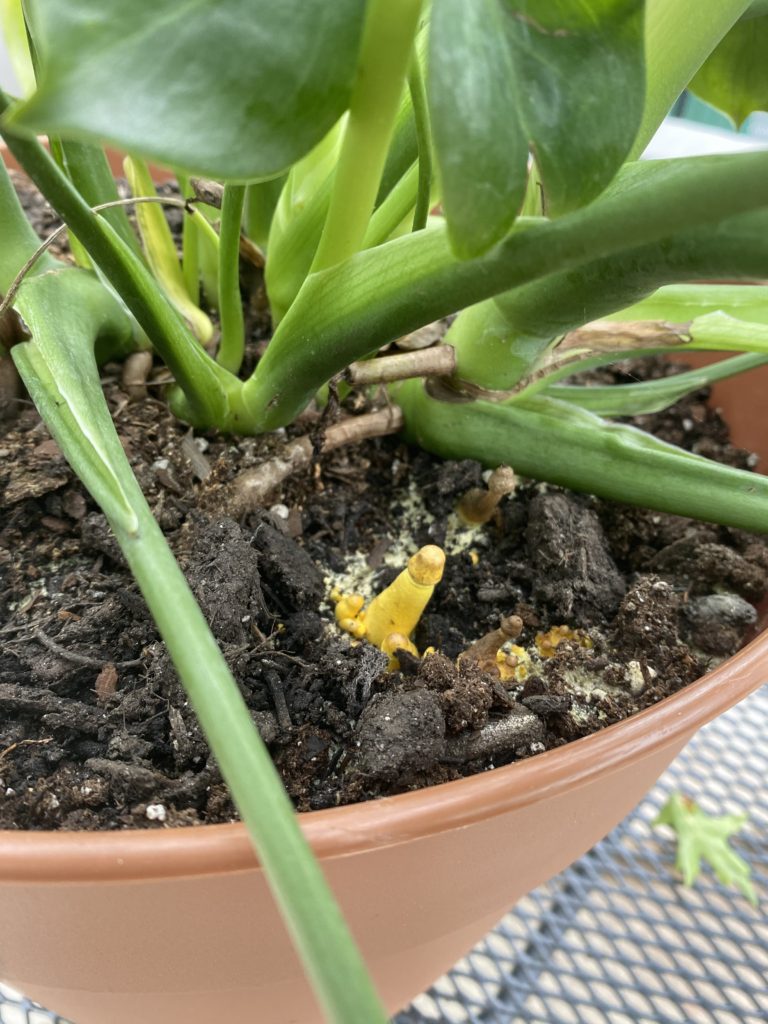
x=382, y=293
x=649, y=395
x=63, y=381
x=331, y=958
x=678, y=38
x=424, y=139
x=260, y=201
x=557, y=442
x=232, y=344
x=190, y=244
x=386, y=48
x=205, y=385
x=19, y=241
x=390, y=214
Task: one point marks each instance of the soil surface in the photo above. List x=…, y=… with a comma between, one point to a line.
x=618, y=608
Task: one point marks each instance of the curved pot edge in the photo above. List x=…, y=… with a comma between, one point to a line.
x=337, y=832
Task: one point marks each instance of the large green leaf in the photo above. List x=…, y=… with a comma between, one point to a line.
x=236, y=89
x=562, y=77
x=735, y=77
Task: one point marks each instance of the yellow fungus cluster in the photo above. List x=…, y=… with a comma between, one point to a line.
x=547, y=643
x=391, y=617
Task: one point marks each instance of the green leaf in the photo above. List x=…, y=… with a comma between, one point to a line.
x=559, y=443
x=160, y=250
x=735, y=77
x=678, y=303
x=702, y=837
x=562, y=77
x=679, y=36
x=521, y=324
x=236, y=89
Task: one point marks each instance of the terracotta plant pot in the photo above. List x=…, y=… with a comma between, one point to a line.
x=178, y=925
x=115, y=928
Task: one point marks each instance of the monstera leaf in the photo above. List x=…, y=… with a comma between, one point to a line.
x=735, y=77
x=563, y=79
x=235, y=89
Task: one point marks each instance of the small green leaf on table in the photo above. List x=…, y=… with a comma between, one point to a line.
x=703, y=837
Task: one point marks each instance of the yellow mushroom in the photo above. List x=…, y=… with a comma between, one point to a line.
x=397, y=642
x=399, y=608
x=478, y=505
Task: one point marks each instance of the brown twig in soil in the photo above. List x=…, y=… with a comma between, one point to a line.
x=250, y=489
x=22, y=743
x=437, y=361
x=283, y=715
x=81, y=659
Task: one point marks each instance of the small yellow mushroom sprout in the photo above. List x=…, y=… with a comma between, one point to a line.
x=547, y=643
x=478, y=505
x=391, y=617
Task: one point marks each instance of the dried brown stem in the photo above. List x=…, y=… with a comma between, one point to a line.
x=80, y=659
x=438, y=361
x=608, y=336
x=206, y=191
x=250, y=489
x=519, y=728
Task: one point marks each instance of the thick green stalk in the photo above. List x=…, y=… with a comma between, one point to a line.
x=232, y=345
x=501, y=341
x=63, y=381
x=679, y=36
x=260, y=201
x=424, y=138
x=88, y=169
x=18, y=240
x=395, y=208
x=203, y=382
x=385, y=51
x=383, y=293
x=562, y=444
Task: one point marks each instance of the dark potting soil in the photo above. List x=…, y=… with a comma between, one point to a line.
x=619, y=608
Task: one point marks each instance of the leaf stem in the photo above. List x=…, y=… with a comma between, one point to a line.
x=424, y=140
x=386, y=47
x=205, y=384
x=64, y=383
x=230, y=354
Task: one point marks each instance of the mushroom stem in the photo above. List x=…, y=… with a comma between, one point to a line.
x=478, y=505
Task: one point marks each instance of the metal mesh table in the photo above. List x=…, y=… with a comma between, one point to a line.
x=615, y=939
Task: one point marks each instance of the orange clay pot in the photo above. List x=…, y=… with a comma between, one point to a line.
x=163, y=926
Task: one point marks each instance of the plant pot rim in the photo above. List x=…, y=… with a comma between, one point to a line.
x=62, y=857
